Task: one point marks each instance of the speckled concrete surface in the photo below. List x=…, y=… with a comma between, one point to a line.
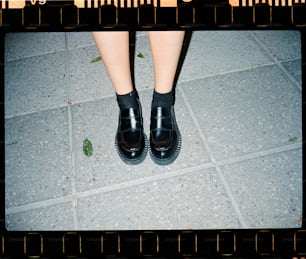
x=238, y=107
x=37, y=157
x=35, y=84
x=151, y=206
x=246, y=112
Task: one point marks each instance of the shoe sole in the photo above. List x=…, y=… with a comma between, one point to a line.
x=172, y=158
x=133, y=161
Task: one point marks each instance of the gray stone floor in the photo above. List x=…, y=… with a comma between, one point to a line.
x=238, y=108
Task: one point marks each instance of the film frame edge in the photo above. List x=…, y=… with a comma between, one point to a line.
x=166, y=243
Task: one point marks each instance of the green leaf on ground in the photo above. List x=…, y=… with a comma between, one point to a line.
x=12, y=143
x=97, y=59
x=293, y=139
x=87, y=147
x=140, y=55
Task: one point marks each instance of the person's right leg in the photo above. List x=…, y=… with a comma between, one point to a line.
x=131, y=142
x=114, y=51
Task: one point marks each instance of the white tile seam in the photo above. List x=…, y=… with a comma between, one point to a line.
x=34, y=56
x=258, y=154
x=228, y=72
x=106, y=189
x=132, y=183
x=71, y=146
x=62, y=50
x=279, y=63
x=39, y=204
x=145, y=180
x=213, y=161
x=245, y=69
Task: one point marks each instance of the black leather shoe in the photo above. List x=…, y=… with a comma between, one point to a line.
x=131, y=142
x=165, y=137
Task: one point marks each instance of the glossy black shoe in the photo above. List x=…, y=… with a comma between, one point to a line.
x=131, y=142
x=165, y=137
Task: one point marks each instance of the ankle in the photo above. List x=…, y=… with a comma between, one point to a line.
x=164, y=100
x=129, y=100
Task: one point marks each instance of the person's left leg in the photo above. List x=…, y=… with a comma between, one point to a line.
x=166, y=49
x=165, y=138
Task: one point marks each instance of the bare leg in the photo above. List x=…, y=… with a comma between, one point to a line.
x=166, y=48
x=114, y=51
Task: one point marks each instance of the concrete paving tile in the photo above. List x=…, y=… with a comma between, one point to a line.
x=246, y=112
x=58, y=217
x=283, y=45
x=193, y=201
x=215, y=52
x=35, y=84
x=88, y=81
x=98, y=120
x=37, y=157
x=295, y=70
x=28, y=44
x=268, y=189
x=79, y=39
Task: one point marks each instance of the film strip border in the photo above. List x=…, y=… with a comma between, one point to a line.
x=15, y=4
x=46, y=15
x=160, y=244
x=98, y=14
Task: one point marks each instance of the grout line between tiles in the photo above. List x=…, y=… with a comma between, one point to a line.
x=213, y=161
x=125, y=185
x=259, y=154
x=63, y=50
x=236, y=71
x=72, y=168
x=279, y=63
x=65, y=105
x=33, y=112
x=115, y=187
x=39, y=204
x=71, y=146
x=145, y=180
x=34, y=56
